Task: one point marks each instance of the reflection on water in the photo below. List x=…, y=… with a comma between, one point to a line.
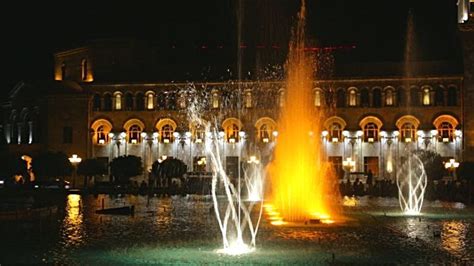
x=72, y=227
x=453, y=236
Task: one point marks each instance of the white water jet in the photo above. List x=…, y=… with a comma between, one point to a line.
x=233, y=214
x=411, y=182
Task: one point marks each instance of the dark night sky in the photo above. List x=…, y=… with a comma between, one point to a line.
x=32, y=32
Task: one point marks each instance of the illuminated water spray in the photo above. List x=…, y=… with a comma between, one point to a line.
x=411, y=182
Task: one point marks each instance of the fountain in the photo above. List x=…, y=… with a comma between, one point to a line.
x=301, y=179
x=411, y=182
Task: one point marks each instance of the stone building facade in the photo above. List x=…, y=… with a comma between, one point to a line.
x=88, y=110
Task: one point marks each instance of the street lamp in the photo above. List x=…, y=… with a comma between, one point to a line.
x=348, y=164
x=451, y=166
x=75, y=160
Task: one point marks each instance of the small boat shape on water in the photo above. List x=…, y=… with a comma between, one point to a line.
x=126, y=210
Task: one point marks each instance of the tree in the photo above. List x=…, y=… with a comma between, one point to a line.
x=124, y=167
x=50, y=165
x=89, y=168
x=169, y=169
x=12, y=165
x=466, y=171
x=433, y=164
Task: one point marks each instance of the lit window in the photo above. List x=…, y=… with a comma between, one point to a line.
x=232, y=133
x=265, y=133
x=182, y=101
x=84, y=69
x=102, y=135
x=389, y=98
x=118, y=101
x=426, y=96
x=371, y=132
x=335, y=132
x=248, y=100
x=134, y=134
x=150, y=101
x=407, y=132
x=352, y=98
x=446, y=132
x=317, y=98
x=167, y=133
x=281, y=98
x=215, y=100
x=199, y=134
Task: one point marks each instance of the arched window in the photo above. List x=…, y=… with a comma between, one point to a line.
x=199, y=134
x=452, y=96
x=340, y=98
x=107, y=102
x=118, y=101
x=140, y=101
x=134, y=134
x=182, y=100
x=215, y=99
x=389, y=97
x=232, y=133
x=335, y=132
x=101, y=135
x=84, y=69
x=376, y=97
x=248, y=99
x=281, y=98
x=446, y=132
x=150, y=98
x=63, y=71
x=408, y=132
x=426, y=96
x=401, y=101
x=128, y=101
x=414, y=98
x=364, y=97
x=352, y=97
x=167, y=131
x=371, y=132
x=266, y=129
x=439, y=96
x=96, y=102
x=264, y=133
x=317, y=98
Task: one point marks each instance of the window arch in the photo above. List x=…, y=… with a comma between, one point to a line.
x=352, y=97
x=107, y=102
x=150, y=100
x=265, y=127
x=101, y=129
x=377, y=97
x=248, y=99
x=166, y=127
x=84, y=69
x=215, y=99
x=181, y=100
x=389, y=95
x=407, y=126
x=426, y=95
x=281, y=98
x=96, y=102
x=232, y=128
x=439, y=96
x=452, y=96
x=118, y=100
x=401, y=97
x=198, y=133
x=371, y=126
x=318, y=97
x=364, y=97
x=340, y=98
x=140, y=101
x=445, y=125
x=335, y=126
x=414, y=99
x=128, y=101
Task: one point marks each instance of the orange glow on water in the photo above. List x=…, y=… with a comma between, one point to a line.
x=301, y=179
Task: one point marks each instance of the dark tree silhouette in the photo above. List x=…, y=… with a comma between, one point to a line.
x=51, y=165
x=124, y=167
x=466, y=171
x=169, y=169
x=433, y=163
x=12, y=165
x=89, y=168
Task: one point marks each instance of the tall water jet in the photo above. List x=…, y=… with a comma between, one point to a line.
x=300, y=177
x=411, y=182
x=411, y=178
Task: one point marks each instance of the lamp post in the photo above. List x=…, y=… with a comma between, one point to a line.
x=451, y=166
x=348, y=164
x=75, y=160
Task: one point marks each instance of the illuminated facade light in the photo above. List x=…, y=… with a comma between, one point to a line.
x=445, y=140
x=345, y=133
x=111, y=135
x=370, y=139
x=383, y=134
x=134, y=141
x=143, y=134
x=275, y=133
x=221, y=134
x=231, y=140
x=198, y=141
x=396, y=133
x=241, y=134
x=123, y=135
x=265, y=140
x=187, y=134
x=155, y=134
x=420, y=133
x=458, y=133
x=360, y=133
x=434, y=132
x=335, y=139
x=175, y=134
x=101, y=141
x=407, y=139
x=324, y=133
